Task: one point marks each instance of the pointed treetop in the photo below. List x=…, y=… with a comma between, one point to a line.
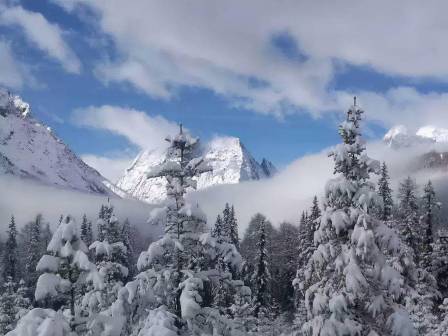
x=180, y=128
x=354, y=101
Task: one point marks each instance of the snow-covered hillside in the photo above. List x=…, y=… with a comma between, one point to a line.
x=230, y=160
x=29, y=149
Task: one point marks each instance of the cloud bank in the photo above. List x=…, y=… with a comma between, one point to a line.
x=26, y=199
x=281, y=198
x=286, y=195
x=282, y=57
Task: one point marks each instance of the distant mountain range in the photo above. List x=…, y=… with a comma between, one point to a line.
x=30, y=150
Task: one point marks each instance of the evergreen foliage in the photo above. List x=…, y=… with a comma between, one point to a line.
x=352, y=290
x=10, y=257
x=385, y=193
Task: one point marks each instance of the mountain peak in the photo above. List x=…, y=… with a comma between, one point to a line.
x=434, y=133
x=28, y=149
x=230, y=160
x=400, y=137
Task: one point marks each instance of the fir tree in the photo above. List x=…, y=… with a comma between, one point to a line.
x=227, y=222
x=314, y=212
x=348, y=292
x=176, y=271
x=111, y=259
x=64, y=269
x=8, y=309
x=86, y=231
x=408, y=212
x=22, y=302
x=385, y=193
x=428, y=221
x=262, y=276
x=126, y=238
x=234, y=238
x=439, y=265
x=248, y=247
x=10, y=259
x=218, y=230
x=34, y=252
x=284, y=265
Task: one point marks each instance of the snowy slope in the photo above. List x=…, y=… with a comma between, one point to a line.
x=230, y=160
x=29, y=149
x=400, y=137
x=439, y=135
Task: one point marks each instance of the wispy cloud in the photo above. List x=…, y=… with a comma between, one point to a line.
x=12, y=72
x=136, y=126
x=46, y=36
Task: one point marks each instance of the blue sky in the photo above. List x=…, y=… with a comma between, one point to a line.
x=280, y=84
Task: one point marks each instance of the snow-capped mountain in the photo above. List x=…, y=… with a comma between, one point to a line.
x=29, y=149
x=439, y=135
x=229, y=158
x=400, y=137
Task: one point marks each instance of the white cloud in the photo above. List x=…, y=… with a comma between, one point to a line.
x=226, y=47
x=139, y=128
x=12, y=73
x=110, y=167
x=46, y=36
x=142, y=130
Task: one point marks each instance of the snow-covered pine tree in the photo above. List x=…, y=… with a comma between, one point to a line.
x=64, y=269
x=86, y=231
x=430, y=206
x=305, y=247
x=184, y=223
x=10, y=259
x=284, y=265
x=21, y=302
x=126, y=238
x=385, y=193
x=8, y=310
x=442, y=327
x=222, y=260
x=262, y=277
x=415, y=259
x=227, y=222
x=104, y=217
x=176, y=269
x=353, y=290
x=234, y=237
x=34, y=252
x=408, y=213
x=111, y=258
x=314, y=213
x=248, y=246
x=218, y=230
x=13, y=304
x=440, y=265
